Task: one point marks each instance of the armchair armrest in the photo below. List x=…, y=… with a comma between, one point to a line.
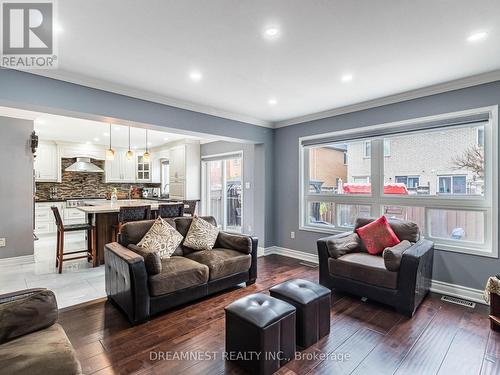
x=234, y=241
x=415, y=274
x=25, y=312
x=324, y=254
x=127, y=281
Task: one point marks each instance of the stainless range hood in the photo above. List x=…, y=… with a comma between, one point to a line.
x=84, y=165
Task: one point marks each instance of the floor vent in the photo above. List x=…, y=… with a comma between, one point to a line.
x=309, y=264
x=458, y=301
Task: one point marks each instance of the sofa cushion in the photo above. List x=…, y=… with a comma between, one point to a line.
x=363, y=267
x=27, y=312
x=40, y=353
x=222, y=262
x=405, y=230
x=201, y=235
x=234, y=241
x=182, y=225
x=341, y=245
x=177, y=273
x=161, y=237
x=377, y=235
x=152, y=258
x=393, y=255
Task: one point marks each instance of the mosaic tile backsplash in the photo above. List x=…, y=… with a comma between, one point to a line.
x=82, y=185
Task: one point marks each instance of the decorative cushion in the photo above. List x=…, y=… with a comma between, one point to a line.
x=341, y=245
x=377, y=235
x=392, y=255
x=152, y=258
x=201, y=235
x=161, y=237
x=404, y=229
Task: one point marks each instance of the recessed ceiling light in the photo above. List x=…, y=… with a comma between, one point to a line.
x=271, y=32
x=477, y=37
x=195, y=76
x=272, y=101
x=346, y=78
x=40, y=121
x=96, y=139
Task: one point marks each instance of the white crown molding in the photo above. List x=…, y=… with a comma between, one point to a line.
x=439, y=88
x=437, y=286
x=149, y=96
x=157, y=98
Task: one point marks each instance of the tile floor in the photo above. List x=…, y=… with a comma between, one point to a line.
x=78, y=283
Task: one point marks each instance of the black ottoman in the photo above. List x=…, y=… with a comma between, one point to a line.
x=313, y=308
x=260, y=333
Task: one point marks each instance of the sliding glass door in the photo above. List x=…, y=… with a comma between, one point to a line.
x=223, y=191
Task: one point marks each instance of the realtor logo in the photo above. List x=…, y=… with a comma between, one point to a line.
x=28, y=35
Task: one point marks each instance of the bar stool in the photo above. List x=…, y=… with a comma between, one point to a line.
x=191, y=207
x=171, y=210
x=61, y=229
x=128, y=214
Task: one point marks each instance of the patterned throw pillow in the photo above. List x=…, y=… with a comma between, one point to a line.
x=161, y=237
x=201, y=235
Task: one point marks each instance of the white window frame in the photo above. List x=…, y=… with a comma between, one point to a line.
x=488, y=204
x=204, y=188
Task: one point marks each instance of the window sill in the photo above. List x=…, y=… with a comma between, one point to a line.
x=487, y=253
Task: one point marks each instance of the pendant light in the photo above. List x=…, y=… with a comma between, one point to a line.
x=110, y=153
x=130, y=153
x=147, y=155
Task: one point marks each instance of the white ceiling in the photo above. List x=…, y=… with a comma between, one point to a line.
x=387, y=46
x=68, y=129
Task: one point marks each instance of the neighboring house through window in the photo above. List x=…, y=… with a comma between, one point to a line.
x=452, y=184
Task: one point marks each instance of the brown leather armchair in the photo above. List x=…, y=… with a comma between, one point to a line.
x=345, y=265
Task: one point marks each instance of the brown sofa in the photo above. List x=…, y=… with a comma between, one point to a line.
x=141, y=284
x=399, y=278
x=31, y=341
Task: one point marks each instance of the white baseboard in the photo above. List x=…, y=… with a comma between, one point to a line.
x=464, y=292
x=261, y=252
x=308, y=257
x=15, y=261
x=470, y=294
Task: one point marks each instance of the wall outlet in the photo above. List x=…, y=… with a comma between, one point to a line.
x=247, y=185
x=292, y=235
x=3, y=242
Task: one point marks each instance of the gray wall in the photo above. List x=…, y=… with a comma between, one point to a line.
x=16, y=187
x=251, y=164
x=461, y=269
x=32, y=92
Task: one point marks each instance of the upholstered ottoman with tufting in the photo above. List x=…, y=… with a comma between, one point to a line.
x=260, y=333
x=312, y=302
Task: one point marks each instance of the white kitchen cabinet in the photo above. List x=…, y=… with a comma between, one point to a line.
x=45, y=223
x=143, y=169
x=185, y=165
x=120, y=169
x=47, y=163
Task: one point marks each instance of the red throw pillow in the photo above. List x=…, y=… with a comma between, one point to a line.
x=377, y=235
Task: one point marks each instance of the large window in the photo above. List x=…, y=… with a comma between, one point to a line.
x=438, y=172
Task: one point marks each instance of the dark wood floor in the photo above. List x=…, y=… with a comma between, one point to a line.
x=440, y=339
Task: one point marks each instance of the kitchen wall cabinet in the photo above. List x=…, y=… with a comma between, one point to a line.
x=185, y=171
x=47, y=163
x=120, y=169
x=143, y=169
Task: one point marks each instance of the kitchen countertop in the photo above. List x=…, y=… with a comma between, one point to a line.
x=110, y=207
x=65, y=199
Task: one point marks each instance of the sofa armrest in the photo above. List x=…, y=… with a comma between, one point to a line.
x=415, y=275
x=252, y=273
x=25, y=312
x=234, y=241
x=127, y=281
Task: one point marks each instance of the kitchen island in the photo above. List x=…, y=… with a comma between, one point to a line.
x=103, y=216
